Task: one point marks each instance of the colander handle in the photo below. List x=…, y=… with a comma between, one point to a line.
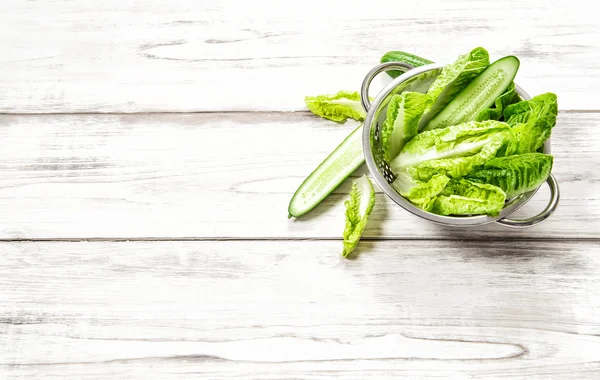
x=364, y=89
x=539, y=218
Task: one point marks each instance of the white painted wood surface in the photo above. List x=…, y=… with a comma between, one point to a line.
x=230, y=176
x=260, y=296
x=152, y=55
x=225, y=310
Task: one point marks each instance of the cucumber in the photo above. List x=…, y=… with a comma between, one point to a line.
x=345, y=159
x=400, y=56
x=479, y=94
x=342, y=162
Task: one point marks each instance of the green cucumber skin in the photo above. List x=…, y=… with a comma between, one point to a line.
x=355, y=157
x=401, y=56
x=457, y=104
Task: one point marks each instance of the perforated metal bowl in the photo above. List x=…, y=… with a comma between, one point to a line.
x=420, y=79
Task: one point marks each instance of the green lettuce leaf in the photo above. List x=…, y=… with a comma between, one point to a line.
x=454, y=150
x=337, y=107
x=421, y=194
x=402, y=123
x=358, y=209
x=456, y=167
x=464, y=197
x=453, y=78
x=504, y=100
x=532, y=121
x=515, y=174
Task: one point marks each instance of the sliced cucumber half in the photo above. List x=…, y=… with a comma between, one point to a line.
x=339, y=165
x=479, y=94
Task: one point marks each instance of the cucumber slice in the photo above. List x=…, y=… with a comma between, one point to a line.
x=342, y=162
x=479, y=94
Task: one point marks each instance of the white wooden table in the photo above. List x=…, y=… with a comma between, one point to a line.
x=149, y=149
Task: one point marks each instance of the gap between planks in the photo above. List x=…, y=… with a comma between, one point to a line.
x=294, y=239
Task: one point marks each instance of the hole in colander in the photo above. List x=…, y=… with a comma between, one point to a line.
x=387, y=172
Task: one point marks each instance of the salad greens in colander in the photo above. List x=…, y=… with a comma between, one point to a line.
x=464, y=197
x=402, y=123
x=463, y=148
x=515, y=174
x=532, y=120
x=454, y=150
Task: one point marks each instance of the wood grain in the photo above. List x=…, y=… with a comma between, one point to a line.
x=421, y=301
x=151, y=55
x=440, y=309
x=229, y=176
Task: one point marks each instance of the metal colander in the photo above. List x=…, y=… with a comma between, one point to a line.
x=420, y=79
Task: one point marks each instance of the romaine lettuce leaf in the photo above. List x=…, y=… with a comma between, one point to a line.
x=456, y=167
x=504, y=100
x=464, y=197
x=454, y=150
x=532, y=121
x=453, y=78
x=515, y=174
x=358, y=209
x=402, y=123
x=420, y=193
x=337, y=107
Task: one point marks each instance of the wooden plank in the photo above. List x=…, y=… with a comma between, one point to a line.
x=229, y=176
x=151, y=55
x=440, y=309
